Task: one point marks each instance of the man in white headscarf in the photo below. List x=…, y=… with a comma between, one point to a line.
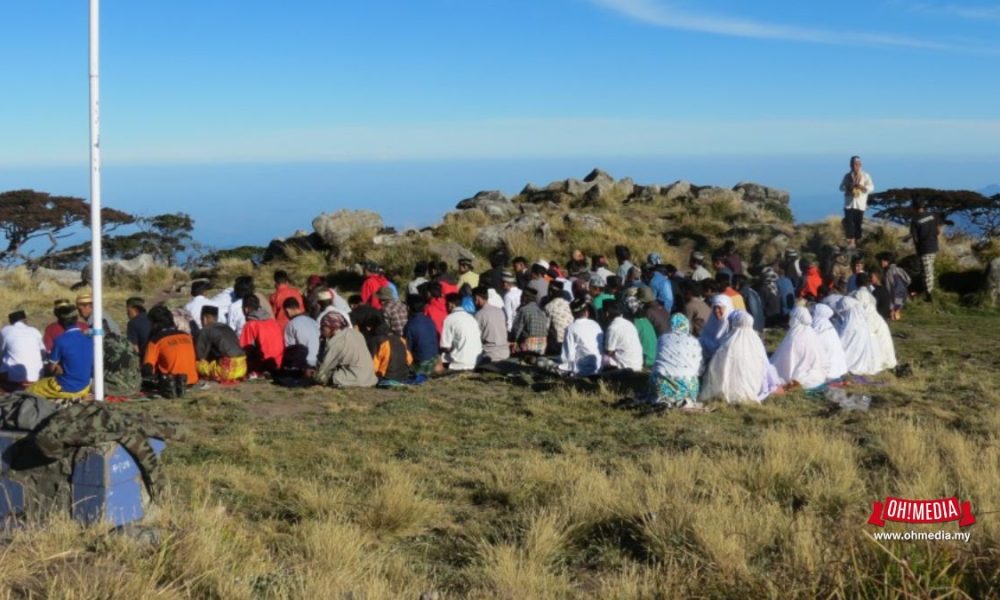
x=885, y=351
x=739, y=371
x=800, y=357
x=717, y=325
x=856, y=338
x=829, y=341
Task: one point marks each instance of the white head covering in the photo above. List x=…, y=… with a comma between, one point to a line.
x=856, y=338
x=830, y=341
x=715, y=329
x=800, y=356
x=739, y=370
x=885, y=351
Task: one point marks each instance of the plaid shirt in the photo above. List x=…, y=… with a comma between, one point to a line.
x=530, y=322
x=396, y=314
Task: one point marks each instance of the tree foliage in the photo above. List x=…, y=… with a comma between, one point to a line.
x=896, y=204
x=27, y=215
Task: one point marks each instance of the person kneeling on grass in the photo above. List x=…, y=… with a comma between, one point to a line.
x=461, y=345
x=390, y=357
x=421, y=338
x=170, y=363
x=679, y=363
x=263, y=339
x=347, y=362
x=220, y=357
x=71, y=362
x=22, y=353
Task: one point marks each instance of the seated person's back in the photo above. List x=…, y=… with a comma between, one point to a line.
x=170, y=351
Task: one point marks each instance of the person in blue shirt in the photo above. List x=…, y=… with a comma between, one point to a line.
x=661, y=286
x=786, y=292
x=421, y=337
x=71, y=362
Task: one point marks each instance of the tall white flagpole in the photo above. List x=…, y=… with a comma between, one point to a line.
x=96, y=262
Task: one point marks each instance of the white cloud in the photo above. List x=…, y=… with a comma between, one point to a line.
x=973, y=12
x=666, y=15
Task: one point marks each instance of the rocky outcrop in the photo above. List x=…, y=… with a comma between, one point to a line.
x=597, y=189
x=494, y=236
x=337, y=228
x=493, y=203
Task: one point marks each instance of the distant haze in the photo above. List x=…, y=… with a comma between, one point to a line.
x=235, y=204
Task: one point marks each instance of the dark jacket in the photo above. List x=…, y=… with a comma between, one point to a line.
x=924, y=229
x=218, y=341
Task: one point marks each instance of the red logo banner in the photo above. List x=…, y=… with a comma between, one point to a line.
x=901, y=510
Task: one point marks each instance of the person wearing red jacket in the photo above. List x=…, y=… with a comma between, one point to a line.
x=282, y=291
x=437, y=309
x=812, y=281
x=374, y=281
x=262, y=338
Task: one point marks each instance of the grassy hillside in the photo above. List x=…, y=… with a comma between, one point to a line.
x=474, y=487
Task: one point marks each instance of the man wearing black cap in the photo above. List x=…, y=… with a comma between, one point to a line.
x=23, y=351
x=139, y=328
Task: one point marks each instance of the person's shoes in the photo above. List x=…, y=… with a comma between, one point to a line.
x=928, y=297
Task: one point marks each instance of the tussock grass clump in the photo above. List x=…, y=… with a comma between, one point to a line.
x=396, y=506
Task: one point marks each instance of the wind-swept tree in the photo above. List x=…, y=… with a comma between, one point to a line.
x=27, y=215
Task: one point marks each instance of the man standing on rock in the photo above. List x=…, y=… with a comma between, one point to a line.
x=856, y=185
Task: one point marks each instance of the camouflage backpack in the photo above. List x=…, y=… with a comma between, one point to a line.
x=122, y=375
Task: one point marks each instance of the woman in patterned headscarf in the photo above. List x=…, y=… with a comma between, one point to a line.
x=679, y=363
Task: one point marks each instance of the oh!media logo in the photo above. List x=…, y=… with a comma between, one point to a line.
x=901, y=510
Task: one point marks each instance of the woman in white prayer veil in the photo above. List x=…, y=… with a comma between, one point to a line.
x=856, y=338
x=717, y=325
x=800, y=357
x=885, y=351
x=739, y=370
x=830, y=341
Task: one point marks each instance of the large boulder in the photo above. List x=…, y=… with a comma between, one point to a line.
x=716, y=194
x=493, y=203
x=64, y=277
x=761, y=194
x=493, y=236
x=993, y=283
x=575, y=220
x=597, y=175
x=606, y=194
x=678, y=191
x=285, y=248
x=122, y=271
x=449, y=252
x=337, y=228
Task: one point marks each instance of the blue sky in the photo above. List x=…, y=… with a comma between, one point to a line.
x=211, y=82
